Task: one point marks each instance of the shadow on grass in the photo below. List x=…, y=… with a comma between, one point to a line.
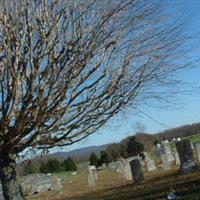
x=157, y=188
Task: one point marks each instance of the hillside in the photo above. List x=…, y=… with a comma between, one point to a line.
x=81, y=154
x=181, y=131
x=148, y=140
x=78, y=153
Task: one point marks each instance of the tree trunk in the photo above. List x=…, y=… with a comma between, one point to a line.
x=8, y=176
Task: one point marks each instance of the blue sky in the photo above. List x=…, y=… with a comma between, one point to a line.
x=185, y=111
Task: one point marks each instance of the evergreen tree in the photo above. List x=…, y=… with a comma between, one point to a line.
x=93, y=159
x=69, y=165
x=44, y=168
x=114, y=151
x=133, y=147
x=66, y=165
x=72, y=164
x=54, y=165
x=29, y=168
x=104, y=158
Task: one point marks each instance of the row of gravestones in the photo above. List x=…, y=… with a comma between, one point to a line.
x=32, y=184
x=131, y=168
x=183, y=156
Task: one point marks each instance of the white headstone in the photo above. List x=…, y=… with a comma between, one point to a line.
x=124, y=169
x=170, y=157
x=35, y=183
x=177, y=159
x=166, y=165
x=197, y=148
x=167, y=147
x=114, y=166
x=92, y=175
x=150, y=165
x=74, y=173
x=158, y=145
x=127, y=169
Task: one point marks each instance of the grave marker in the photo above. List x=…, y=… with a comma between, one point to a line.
x=92, y=175
x=166, y=165
x=136, y=170
x=150, y=165
x=197, y=148
x=124, y=169
x=186, y=156
x=168, y=151
x=177, y=159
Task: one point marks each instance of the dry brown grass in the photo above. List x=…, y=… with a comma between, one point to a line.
x=111, y=186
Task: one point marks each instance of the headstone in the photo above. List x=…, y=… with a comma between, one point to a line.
x=34, y=183
x=167, y=147
x=136, y=170
x=150, y=164
x=186, y=156
x=120, y=167
x=92, y=175
x=192, y=146
x=114, y=166
x=124, y=169
x=74, y=173
x=166, y=165
x=168, y=151
x=158, y=145
x=170, y=158
x=104, y=166
x=177, y=159
x=197, y=148
x=159, y=149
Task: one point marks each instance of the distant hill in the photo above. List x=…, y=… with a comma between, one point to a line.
x=148, y=140
x=86, y=151
x=181, y=131
x=81, y=154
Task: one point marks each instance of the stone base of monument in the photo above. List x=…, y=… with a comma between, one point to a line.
x=188, y=166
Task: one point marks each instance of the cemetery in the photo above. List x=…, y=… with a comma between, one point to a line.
x=174, y=172
x=70, y=69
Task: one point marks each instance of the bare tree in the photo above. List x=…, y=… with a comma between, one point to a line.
x=69, y=66
x=138, y=128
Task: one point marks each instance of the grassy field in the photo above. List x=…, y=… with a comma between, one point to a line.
x=111, y=186
x=194, y=138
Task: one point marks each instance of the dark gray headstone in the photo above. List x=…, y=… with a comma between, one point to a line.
x=186, y=156
x=136, y=170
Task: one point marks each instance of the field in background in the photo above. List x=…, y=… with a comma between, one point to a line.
x=193, y=138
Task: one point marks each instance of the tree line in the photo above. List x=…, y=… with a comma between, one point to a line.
x=51, y=166
x=114, y=151
x=181, y=131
